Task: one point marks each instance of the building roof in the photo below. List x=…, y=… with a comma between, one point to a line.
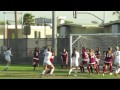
x=69, y=24
x=111, y=23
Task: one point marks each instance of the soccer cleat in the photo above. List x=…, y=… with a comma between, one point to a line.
x=41, y=75
x=75, y=75
x=103, y=74
x=68, y=74
x=111, y=73
x=115, y=74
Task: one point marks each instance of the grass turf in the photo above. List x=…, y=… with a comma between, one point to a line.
x=26, y=72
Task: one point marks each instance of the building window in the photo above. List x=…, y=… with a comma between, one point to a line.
x=35, y=34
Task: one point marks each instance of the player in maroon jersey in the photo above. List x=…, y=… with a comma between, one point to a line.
x=98, y=56
x=35, y=57
x=108, y=60
x=92, y=62
x=64, y=58
x=85, y=59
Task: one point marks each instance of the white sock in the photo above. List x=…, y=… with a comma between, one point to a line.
x=6, y=66
x=70, y=71
x=52, y=70
x=75, y=71
x=43, y=72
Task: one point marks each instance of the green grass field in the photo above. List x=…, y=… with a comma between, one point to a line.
x=25, y=72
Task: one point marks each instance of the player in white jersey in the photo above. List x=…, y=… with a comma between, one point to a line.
x=47, y=63
x=117, y=60
x=75, y=63
x=8, y=55
x=45, y=50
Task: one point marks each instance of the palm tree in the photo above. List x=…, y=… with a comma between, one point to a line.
x=28, y=19
x=117, y=13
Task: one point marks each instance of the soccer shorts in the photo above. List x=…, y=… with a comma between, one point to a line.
x=47, y=63
x=7, y=59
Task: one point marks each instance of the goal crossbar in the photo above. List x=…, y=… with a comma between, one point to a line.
x=80, y=35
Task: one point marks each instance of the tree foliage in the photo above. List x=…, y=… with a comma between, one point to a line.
x=28, y=19
x=3, y=23
x=67, y=22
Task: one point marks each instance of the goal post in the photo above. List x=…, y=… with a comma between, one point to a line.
x=101, y=40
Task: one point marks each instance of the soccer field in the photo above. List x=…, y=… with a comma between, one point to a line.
x=26, y=72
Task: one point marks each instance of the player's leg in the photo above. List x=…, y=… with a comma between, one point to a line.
x=7, y=64
x=95, y=67
x=81, y=67
x=88, y=68
x=110, y=68
x=44, y=70
x=34, y=64
x=71, y=68
x=66, y=64
x=76, y=68
x=104, y=68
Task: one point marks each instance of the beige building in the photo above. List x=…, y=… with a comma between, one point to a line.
x=36, y=32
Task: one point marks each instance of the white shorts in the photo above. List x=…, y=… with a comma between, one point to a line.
x=7, y=59
x=117, y=63
x=47, y=63
x=97, y=60
x=75, y=64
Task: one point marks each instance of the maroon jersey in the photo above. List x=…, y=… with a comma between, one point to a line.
x=36, y=55
x=84, y=54
x=64, y=56
x=91, y=58
x=108, y=57
x=97, y=53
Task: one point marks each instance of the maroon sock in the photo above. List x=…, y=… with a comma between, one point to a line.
x=96, y=69
x=88, y=69
x=83, y=68
x=104, y=69
x=110, y=68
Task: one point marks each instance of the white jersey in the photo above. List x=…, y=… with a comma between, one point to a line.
x=8, y=54
x=117, y=56
x=47, y=56
x=45, y=51
x=76, y=57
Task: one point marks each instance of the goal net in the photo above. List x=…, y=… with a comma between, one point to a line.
x=91, y=41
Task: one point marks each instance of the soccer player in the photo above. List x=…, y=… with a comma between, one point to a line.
x=98, y=56
x=92, y=62
x=47, y=63
x=117, y=60
x=85, y=59
x=36, y=57
x=45, y=50
x=75, y=57
x=64, y=58
x=51, y=60
x=8, y=55
x=108, y=61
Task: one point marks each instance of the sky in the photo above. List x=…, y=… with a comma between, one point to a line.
x=81, y=18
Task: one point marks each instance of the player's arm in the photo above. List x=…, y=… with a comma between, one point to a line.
x=11, y=54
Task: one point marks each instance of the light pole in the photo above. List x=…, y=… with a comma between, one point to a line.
x=54, y=32
x=4, y=28
x=75, y=15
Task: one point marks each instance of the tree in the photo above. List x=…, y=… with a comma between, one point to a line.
x=28, y=19
x=67, y=22
x=117, y=13
x=3, y=23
